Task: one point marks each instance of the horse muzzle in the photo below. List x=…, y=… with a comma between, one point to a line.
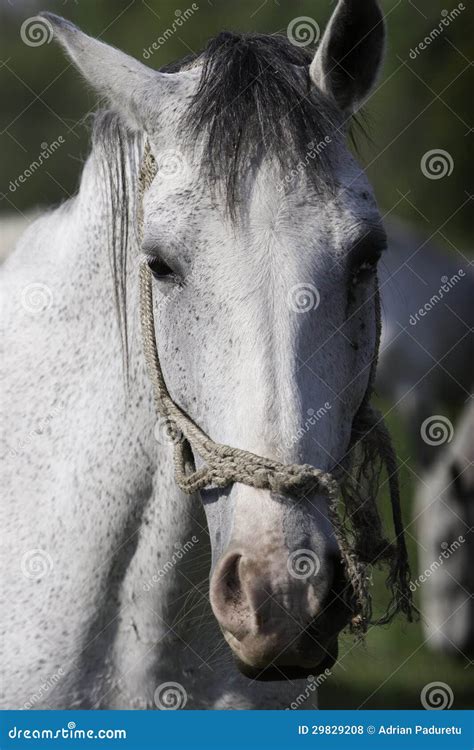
x=279, y=625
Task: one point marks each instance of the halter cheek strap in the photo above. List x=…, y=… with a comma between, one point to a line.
x=224, y=465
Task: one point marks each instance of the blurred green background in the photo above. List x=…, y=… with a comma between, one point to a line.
x=420, y=104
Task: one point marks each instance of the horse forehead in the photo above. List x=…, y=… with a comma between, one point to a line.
x=273, y=211
x=341, y=194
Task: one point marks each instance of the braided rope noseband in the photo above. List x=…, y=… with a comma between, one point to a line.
x=225, y=465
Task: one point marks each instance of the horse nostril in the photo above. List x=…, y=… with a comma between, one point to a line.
x=230, y=579
x=228, y=599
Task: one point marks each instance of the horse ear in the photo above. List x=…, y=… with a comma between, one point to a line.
x=129, y=86
x=348, y=58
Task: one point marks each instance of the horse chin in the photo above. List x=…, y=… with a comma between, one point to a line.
x=285, y=671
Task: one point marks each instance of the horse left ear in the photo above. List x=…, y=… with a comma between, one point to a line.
x=133, y=89
x=349, y=56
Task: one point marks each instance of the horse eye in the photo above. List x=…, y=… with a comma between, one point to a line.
x=161, y=270
x=364, y=258
x=364, y=272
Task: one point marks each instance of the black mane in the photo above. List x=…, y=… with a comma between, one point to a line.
x=255, y=99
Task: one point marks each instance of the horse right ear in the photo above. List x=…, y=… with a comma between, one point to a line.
x=130, y=87
x=348, y=58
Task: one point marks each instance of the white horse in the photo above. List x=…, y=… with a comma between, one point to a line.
x=265, y=307
x=444, y=511
x=428, y=316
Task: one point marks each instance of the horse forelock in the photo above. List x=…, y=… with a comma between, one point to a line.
x=255, y=99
